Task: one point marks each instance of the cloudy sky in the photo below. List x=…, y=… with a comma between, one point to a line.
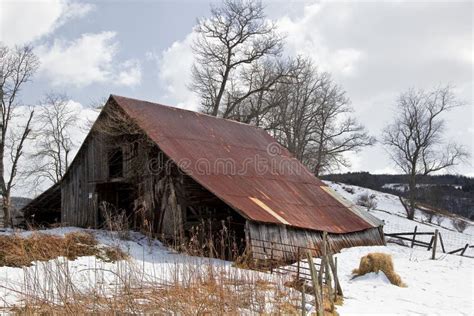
x=141, y=49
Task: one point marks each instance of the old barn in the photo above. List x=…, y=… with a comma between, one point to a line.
x=184, y=176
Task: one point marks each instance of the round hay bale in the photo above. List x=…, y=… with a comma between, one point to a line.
x=375, y=262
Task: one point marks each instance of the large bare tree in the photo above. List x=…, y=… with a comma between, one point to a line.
x=314, y=119
x=415, y=137
x=17, y=67
x=235, y=37
x=55, y=119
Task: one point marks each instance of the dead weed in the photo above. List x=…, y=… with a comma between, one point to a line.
x=19, y=251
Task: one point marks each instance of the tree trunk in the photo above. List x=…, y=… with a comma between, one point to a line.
x=411, y=197
x=215, y=110
x=3, y=188
x=7, y=220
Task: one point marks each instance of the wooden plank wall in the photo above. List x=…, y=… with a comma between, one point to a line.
x=78, y=196
x=285, y=240
x=156, y=192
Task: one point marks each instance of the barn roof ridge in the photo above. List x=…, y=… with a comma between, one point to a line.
x=187, y=110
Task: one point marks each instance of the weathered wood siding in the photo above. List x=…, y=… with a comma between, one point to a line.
x=285, y=240
x=78, y=194
x=160, y=196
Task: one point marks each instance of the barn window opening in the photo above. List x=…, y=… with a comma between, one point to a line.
x=116, y=163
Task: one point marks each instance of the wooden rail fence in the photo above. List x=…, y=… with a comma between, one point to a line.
x=436, y=237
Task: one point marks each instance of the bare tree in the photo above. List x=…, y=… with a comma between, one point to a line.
x=229, y=43
x=459, y=224
x=17, y=67
x=96, y=105
x=54, y=143
x=314, y=119
x=415, y=137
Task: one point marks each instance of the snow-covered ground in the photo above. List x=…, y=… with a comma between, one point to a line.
x=404, y=187
x=434, y=287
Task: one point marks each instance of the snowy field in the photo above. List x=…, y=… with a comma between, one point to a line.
x=390, y=210
x=434, y=287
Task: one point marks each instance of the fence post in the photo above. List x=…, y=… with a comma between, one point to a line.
x=329, y=284
x=323, y=259
x=431, y=243
x=298, y=264
x=464, y=250
x=336, y=279
x=441, y=242
x=414, y=237
x=435, y=242
x=303, y=301
x=318, y=292
x=337, y=284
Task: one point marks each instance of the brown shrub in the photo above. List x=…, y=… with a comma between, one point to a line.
x=42, y=247
x=79, y=244
x=112, y=254
x=18, y=251
x=375, y=262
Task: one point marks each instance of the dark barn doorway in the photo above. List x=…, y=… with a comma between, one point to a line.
x=115, y=199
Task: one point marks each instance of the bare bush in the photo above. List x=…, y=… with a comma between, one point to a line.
x=439, y=219
x=223, y=245
x=459, y=224
x=429, y=217
x=115, y=220
x=367, y=200
x=348, y=189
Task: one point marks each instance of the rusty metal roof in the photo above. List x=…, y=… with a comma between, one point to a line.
x=244, y=167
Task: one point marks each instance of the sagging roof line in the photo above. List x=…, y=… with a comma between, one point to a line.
x=297, y=200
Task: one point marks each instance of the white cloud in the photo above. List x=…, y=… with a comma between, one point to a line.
x=130, y=73
x=174, y=66
x=26, y=21
x=87, y=60
x=305, y=36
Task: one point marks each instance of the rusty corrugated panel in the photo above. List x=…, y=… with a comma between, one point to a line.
x=359, y=211
x=243, y=166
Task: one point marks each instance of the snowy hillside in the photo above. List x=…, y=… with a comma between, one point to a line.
x=391, y=211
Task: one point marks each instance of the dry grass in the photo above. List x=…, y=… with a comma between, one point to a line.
x=199, y=290
x=186, y=287
x=375, y=262
x=18, y=251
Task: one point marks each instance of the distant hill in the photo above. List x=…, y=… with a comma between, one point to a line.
x=453, y=193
